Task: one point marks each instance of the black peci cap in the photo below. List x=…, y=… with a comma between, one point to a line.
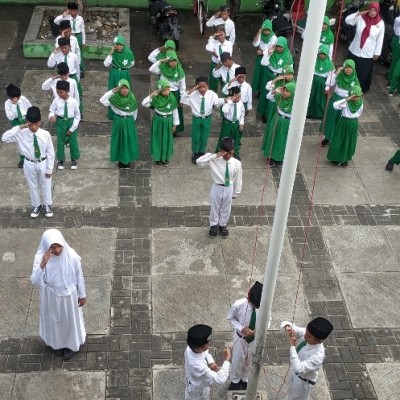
x=62, y=68
x=13, y=90
x=72, y=6
x=62, y=85
x=62, y=41
x=33, y=114
x=240, y=71
x=255, y=294
x=199, y=335
x=227, y=143
x=320, y=328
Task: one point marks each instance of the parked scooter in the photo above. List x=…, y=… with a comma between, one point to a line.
x=164, y=18
x=271, y=9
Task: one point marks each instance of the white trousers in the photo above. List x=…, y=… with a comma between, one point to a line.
x=196, y=393
x=35, y=175
x=297, y=388
x=241, y=359
x=221, y=203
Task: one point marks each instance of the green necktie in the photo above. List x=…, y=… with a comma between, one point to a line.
x=228, y=78
x=21, y=119
x=65, y=59
x=227, y=178
x=234, y=119
x=252, y=325
x=220, y=49
x=73, y=25
x=66, y=111
x=202, y=106
x=300, y=346
x=36, y=147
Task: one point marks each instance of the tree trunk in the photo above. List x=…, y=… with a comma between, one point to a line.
x=84, y=10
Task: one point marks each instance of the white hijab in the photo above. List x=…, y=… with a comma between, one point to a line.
x=60, y=271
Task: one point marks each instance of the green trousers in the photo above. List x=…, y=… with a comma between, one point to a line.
x=62, y=126
x=201, y=128
x=79, y=39
x=230, y=129
x=396, y=158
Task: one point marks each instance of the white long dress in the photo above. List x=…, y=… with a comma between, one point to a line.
x=61, y=283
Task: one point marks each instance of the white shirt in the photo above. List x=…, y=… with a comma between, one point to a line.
x=193, y=100
x=57, y=110
x=198, y=372
x=74, y=46
x=222, y=72
x=79, y=25
x=246, y=93
x=214, y=46
x=72, y=61
x=339, y=91
x=396, y=26
x=373, y=44
x=265, y=62
x=11, y=109
x=218, y=167
x=50, y=84
x=257, y=42
x=153, y=55
x=24, y=140
x=229, y=108
x=239, y=315
x=174, y=85
x=310, y=358
x=330, y=78
x=342, y=105
x=271, y=97
x=175, y=115
x=105, y=100
x=108, y=61
x=229, y=27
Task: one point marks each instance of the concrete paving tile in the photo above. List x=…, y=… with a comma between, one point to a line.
x=373, y=152
x=79, y=385
x=337, y=186
x=368, y=114
x=385, y=378
x=360, y=249
x=6, y=384
x=7, y=31
x=364, y=291
x=393, y=235
x=309, y=152
x=15, y=301
x=13, y=188
x=94, y=245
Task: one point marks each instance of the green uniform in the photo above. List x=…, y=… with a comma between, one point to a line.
x=317, y=103
x=395, y=56
x=343, y=145
x=62, y=126
x=79, y=39
x=181, y=126
x=275, y=141
x=124, y=141
x=213, y=82
x=161, y=139
x=201, y=127
x=231, y=129
x=396, y=158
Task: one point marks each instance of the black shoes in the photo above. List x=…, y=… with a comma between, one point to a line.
x=389, y=166
x=223, y=231
x=195, y=156
x=324, y=142
x=58, y=352
x=124, y=166
x=68, y=354
x=36, y=211
x=21, y=164
x=271, y=163
x=235, y=386
x=213, y=232
x=264, y=119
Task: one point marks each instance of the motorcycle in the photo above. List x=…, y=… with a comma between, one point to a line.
x=272, y=10
x=164, y=18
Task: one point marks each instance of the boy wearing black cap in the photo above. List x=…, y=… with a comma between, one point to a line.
x=78, y=27
x=16, y=107
x=64, y=111
x=226, y=175
x=36, y=146
x=246, y=92
x=242, y=317
x=233, y=120
x=217, y=44
x=307, y=354
x=66, y=32
x=201, y=101
x=222, y=18
x=200, y=367
x=225, y=70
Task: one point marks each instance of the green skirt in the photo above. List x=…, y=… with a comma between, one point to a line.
x=258, y=71
x=317, y=103
x=343, y=145
x=395, y=55
x=332, y=118
x=276, y=137
x=262, y=101
x=124, y=145
x=161, y=139
x=181, y=126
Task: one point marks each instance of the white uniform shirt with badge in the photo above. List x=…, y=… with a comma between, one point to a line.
x=215, y=46
x=246, y=92
x=198, y=372
x=338, y=90
x=57, y=110
x=11, y=109
x=265, y=62
x=218, y=168
x=228, y=110
x=146, y=102
x=222, y=72
x=50, y=84
x=77, y=24
x=193, y=100
x=24, y=140
x=108, y=62
x=257, y=42
x=343, y=105
x=72, y=61
x=174, y=85
x=74, y=46
x=105, y=100
x=229, y=27
x=373, y=45
x=308, y=361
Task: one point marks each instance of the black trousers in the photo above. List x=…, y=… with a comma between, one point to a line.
x=364, y=67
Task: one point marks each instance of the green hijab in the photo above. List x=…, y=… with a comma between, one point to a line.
x=286, y=105
x=344, y=81
x=172, y=74
x=326, y=65
x=283, y=82
x=281, y=60
x=124, y=103
x=168, y=45
x=354, y=105
x=164, y=103
x=327, y=37
x=267, y=24
x=124, y=58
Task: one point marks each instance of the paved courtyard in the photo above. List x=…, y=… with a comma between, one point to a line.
x=151, y=270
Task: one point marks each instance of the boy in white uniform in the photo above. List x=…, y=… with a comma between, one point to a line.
x=66, y=32
x=246, y=92
x=242, y=317
x=225, y=69
x=36, y=146
x=226, y=174
x=222, y=18
x=307, y=354
x=200, y=367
